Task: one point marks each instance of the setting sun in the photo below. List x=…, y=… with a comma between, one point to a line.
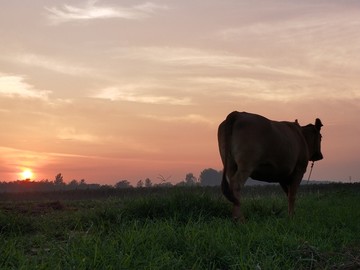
x=27, y=174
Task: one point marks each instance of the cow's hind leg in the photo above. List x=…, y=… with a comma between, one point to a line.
x=237, y=181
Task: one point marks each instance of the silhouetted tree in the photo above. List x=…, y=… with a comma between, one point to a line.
x=122, y=184
x=59, y=180
x=73, y=184
x=210, y=177
x=140, y=184
x=190, y=179
x=148, y=182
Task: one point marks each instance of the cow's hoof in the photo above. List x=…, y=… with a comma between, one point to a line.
x=239, y=220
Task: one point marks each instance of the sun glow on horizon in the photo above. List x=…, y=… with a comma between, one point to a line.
x=27, y=174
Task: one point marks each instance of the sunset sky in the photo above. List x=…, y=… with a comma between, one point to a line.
x=109, y=90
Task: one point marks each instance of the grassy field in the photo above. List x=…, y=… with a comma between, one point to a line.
x=181, y=228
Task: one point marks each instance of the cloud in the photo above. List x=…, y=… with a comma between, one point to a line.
x=189, y=57
x=184, y=56
x=74, y=135
x=45, y=62
x=132, y=93
x=15, y=86
x=122, y=144
x=190, y=118
x=92, y=11
x=308, y=19
x=272, y=89
x=328, y=38
x=17, y=158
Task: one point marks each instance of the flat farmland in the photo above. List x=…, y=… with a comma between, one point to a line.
x=180, y=228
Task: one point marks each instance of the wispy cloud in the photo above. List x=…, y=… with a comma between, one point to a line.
x=185, y=56
x=92, y=11
x=190, y=57
x=124, y=144
x=16, y=86
x=73, y=135
x=49, y=63
x=320, y=37
x=133, y=94
x=272, y=89
x=189, y=118
x=17, y=158
x=308, y=26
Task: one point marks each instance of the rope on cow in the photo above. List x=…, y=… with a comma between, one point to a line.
x=311, y=168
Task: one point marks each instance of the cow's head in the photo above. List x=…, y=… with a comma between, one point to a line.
x=313, y=138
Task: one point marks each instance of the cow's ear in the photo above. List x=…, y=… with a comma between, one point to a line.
x=318, y=124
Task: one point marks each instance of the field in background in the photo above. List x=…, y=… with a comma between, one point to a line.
x=180, y=228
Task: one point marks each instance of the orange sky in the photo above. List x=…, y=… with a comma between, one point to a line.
x=111, y=90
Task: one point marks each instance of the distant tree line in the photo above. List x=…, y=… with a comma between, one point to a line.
x=208, y=177
x=46, y=185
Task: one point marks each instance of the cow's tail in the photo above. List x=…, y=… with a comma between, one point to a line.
x=224, y=135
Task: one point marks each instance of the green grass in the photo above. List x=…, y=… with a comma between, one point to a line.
x=184, y=228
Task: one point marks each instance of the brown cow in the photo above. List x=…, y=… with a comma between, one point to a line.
x=253, y=146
